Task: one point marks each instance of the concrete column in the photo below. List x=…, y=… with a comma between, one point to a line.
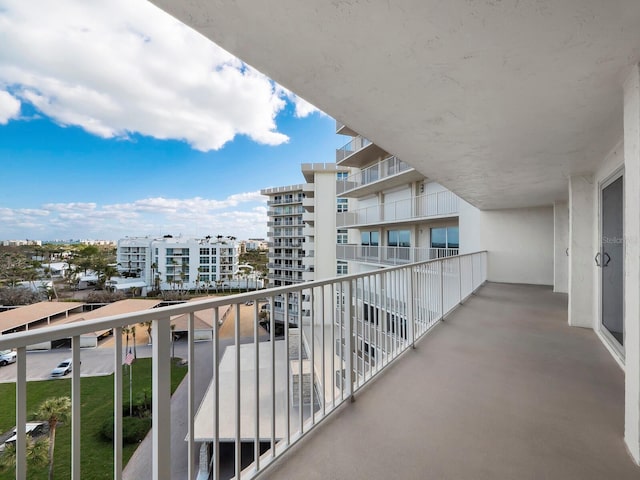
x=632, y=262
x=581, y=251
x=560, y=247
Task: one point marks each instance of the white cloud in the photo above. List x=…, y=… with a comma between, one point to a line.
x=124, y=66
x=9, y=107
x=242, y=215
x=302, y=108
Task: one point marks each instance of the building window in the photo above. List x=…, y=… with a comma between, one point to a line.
x=204, y=260
x=370, y=238
x=204, y=251
x=342, y=205
x=342, y=175
x=399, y=238
x=342, y=268
x=445, y=237
x=342, y=236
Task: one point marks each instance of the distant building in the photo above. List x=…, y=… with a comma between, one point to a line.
x=256, y=244
x=20, y=243
x=179, y=262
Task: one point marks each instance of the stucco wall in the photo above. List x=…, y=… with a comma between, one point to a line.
x=520, y=244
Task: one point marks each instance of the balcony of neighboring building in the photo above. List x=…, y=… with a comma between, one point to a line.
x=428, y=206
x=309, y=204
x=392, y=171
x=342, y=129
x=359, y=152
x=385, y=255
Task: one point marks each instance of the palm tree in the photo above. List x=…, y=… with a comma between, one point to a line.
x=37, y=455
x=53, y=411
x=133, y=334
x=148, y=325
x=126, y=330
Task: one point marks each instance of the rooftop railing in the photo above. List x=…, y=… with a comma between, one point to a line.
x=280, y=385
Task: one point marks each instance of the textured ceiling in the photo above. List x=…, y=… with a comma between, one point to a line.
x=499, y=100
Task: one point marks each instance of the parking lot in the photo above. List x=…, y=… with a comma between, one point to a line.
x=99, y=361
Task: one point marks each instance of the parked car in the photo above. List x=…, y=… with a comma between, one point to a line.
x=7, y=357
x=63, y=368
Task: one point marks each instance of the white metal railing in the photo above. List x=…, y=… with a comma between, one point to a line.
x=352, y=327
x=386, y=168
x=355, y=144
x=385, y=255
x=422, y=206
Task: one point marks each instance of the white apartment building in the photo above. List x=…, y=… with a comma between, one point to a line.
x=396, y=215
x=179, y=262
x=302, y=228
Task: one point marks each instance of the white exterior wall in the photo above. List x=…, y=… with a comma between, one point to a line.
x=632, y=261
x=393, y=209
x=433, y=187
x=581, y=251
x=325, y=225
x=561, y=247
x=520, y=244
x=469, y=228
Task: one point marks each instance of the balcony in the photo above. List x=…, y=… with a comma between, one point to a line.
x=342, y=129
x=407, y=310
x=392, y=171
x=503, y=389
x=432, y=205
x=384, y=255
x=309, y=204
x=358, y=152
x=503, y=382
x=284, y=201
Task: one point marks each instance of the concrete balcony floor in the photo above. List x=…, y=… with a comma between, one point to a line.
x=503, y=389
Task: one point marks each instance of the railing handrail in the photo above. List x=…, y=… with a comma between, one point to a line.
x=357, y=178
x=416, y=198
x=26, y=338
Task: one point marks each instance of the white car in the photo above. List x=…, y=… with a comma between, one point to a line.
x=63, y=368
x=7, y=357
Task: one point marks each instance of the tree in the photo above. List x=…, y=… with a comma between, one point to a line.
x=37, y=455
x=126, y=330
x=53, y=411
x=148, y=325
x=133, y=334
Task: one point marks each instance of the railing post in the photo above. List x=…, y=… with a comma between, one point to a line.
x=161, y=417
x=441, y=262
x=459, y=280
x=75, y=407
x=473, y=289
x=348, y=327
x=410, y=308
x=191, y=408
x=21, y=413
x=117, y=404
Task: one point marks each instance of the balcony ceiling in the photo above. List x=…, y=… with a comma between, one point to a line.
x=498, y=100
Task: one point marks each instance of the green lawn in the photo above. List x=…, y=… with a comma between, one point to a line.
x=97, y=406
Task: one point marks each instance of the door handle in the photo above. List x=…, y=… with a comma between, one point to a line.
x=597, y=259
x=606, y=258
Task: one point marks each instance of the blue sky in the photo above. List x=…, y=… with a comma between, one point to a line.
x=111, y=125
